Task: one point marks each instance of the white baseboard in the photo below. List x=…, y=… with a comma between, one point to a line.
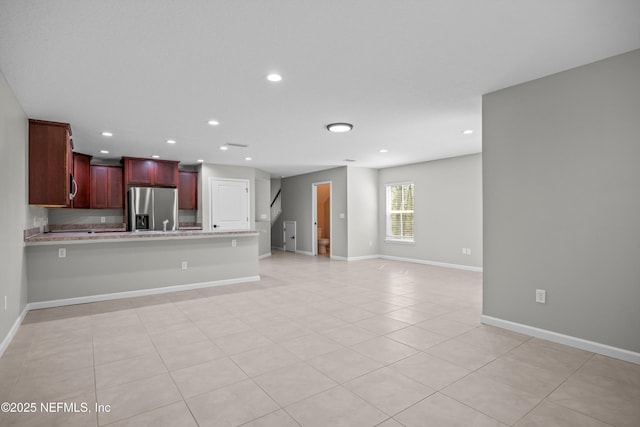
x=267, y=255
x=304, y=252
x=138, y=293
x=580, y=343
x=338, y=258
x=363, y=257
x=434, y=263
x=12, y=332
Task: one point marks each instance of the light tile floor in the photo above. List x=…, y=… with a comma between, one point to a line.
x=314, y=343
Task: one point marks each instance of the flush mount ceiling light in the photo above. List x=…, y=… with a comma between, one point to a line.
x=200, y=161
x=106, y=134
x=224, y=147
x=104, y=151
x=339, y=127
x=247, y=158
x=384, y=150
x=273, y=77
x=171, y=141
x=155, y=156
x=213, y=122
x=467, y=132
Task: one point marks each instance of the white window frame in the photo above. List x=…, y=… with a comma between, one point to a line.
x=388, y=236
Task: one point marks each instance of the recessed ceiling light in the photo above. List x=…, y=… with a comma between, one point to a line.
x=224, y=147
x=467, y=132
x=273, y=77
x=247, y=158
x=384, y=150
x=200, y=161
x=155, y=156
x=339, y=127
x=171, y=141
x=106, y=134
x=104, y=151
x=213, y=122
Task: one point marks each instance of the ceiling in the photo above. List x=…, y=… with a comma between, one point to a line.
x=408, y=74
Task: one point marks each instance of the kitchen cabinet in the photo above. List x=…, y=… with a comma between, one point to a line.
x=106, y=187
x=50, y=163
x=188, y=190
x=81, y=184
x=160, y=173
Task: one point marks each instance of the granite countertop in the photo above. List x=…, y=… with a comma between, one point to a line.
x=122, y=236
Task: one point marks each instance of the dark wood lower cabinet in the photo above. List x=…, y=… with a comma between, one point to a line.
x=106, y=187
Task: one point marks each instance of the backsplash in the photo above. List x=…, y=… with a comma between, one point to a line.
x=111, y=216
x=85, y=216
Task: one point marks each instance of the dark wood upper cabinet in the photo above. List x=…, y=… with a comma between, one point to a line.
x=188, y=190
x=106, y=187
x=81, y=185
x=160, y=173
x=50, y=163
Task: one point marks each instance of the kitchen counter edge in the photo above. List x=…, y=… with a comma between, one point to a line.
x=126, y=236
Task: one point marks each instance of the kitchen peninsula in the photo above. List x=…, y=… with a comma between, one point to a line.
x=73, y=268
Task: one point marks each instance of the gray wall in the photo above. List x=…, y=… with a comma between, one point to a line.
x=363, y=211
x=15, y=214
x=107, y=267
x=297, y=203
x=448, y=210
x=561, y=169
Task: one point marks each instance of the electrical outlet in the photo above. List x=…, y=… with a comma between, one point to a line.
x=233, y=243
x=184, y=265
x=464, y=251
x=541, y=296
x=62, y=252
x=103, y=220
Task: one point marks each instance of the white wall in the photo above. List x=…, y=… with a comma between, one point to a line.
x=448, y=211
x=363, y=212
x=561, y=169
x=15, y=214
x=263, y=211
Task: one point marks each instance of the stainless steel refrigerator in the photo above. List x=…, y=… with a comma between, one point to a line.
x=153, y=209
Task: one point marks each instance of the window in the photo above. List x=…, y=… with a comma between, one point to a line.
x=400, y=212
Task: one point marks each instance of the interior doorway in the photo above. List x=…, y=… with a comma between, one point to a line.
x=321, y=221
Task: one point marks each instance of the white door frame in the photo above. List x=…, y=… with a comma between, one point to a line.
x=314, y=217
x=211, y=180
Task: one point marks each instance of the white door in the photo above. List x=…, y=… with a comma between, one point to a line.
x=289, y=235
x=229, y=204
